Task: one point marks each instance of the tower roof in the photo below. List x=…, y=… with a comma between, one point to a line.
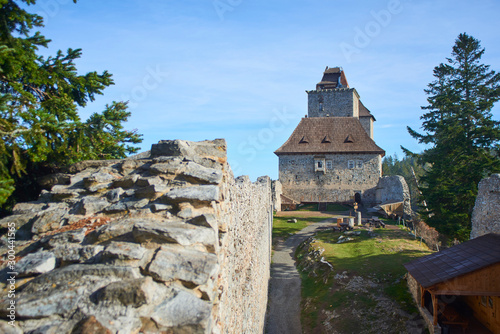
x=343, y=135
x=333, y=78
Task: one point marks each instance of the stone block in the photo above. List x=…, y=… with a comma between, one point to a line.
x=27, y=208
x=173, y=263
x=90, y=325
x=6, y=328
x=50, y=220
x=203, y=193
x=35, y=264
x=90, y=205
x=149, y=181
x=172, y=148
x=153, y=191
x=126, y=182
x=173, y=232
x=123, y=251
x=48, y=181
x=201, y=174
x=68, y=237
x=114, y=195
x=76, y=254
x=185, y=312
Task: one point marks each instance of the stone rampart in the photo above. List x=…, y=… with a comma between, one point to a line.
x=486, y=213
x=167, y=241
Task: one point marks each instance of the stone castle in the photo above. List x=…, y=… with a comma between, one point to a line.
x=331, y=155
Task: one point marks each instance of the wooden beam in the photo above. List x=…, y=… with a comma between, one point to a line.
x=422, y=296
x=434, y=309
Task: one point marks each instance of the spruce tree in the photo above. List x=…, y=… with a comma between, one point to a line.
x=40, y=128
x=463, y=137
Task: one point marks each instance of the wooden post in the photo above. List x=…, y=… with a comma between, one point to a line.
x=422, y=296
x=434, y=309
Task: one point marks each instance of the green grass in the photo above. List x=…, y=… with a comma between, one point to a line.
x=380, y=259
x=282, y=228
x=330, y=207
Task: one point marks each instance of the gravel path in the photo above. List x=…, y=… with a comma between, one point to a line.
x=284, y=290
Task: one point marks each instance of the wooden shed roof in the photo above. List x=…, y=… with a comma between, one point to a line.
x=322, y=135
x=456, y=261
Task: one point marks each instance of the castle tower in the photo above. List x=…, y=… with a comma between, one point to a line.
x=331, y=155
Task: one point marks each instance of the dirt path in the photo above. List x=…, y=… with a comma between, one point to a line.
x=284, y=290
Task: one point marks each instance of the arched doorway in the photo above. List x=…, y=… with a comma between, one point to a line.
x=357, y=198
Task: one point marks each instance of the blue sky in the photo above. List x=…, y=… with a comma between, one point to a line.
x=238, y=69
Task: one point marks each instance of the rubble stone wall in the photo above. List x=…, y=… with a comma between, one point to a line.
x=392, y=189
x=166, y=241
x=339, y=183
x=486, y=213
x=339, y=102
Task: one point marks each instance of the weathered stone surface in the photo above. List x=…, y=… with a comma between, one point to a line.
x=114, y=195
x=152, y=191
x=149, y=181
x=50, y=219
x=27, y=208
x=110, y=231
x=173, y=148
x=17, y=220
x=176, y=263
x=62, y=291
x=486, y=213
x=76, y=254
x=202, y=174
x=35, y=264
x=160, y=207
x=172, y=232
x=123, y=251
x=48, y=181
x=169, y=165
x=204, y=193
x=63, y=238
x=126, y=182
x=133, y=292
x=91, y=205
x=88, y=164
x=185, y=312
x=207, y=220
x=6, y=328
x=90, y=325
x=60, y=193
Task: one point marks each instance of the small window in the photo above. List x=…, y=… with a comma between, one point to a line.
x=329, y=164
x=320, y=164
x=350, y=164
x=359, y=164
x=321, y=106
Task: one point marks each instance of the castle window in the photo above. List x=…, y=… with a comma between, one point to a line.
x=321, y=106
x=359, y=164
x=329, y=164
x=319, y=165
x=350, y=164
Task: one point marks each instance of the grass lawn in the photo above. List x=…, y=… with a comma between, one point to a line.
x=282, y=228
x=331, y=207
x=378, y=260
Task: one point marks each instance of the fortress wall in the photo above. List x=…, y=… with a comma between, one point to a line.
x=166, y=241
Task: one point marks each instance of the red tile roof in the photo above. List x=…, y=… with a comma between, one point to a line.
x=455, y=261
x=309, y=137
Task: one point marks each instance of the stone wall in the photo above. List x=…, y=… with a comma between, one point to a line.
x=167, y=241
x=339, y=183
x=339, y=102
x=486, y=213
x=367, y=124
x=277, y=190
x=392, y=189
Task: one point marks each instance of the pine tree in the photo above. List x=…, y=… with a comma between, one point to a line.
x=463, y=137
x=40, y=128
